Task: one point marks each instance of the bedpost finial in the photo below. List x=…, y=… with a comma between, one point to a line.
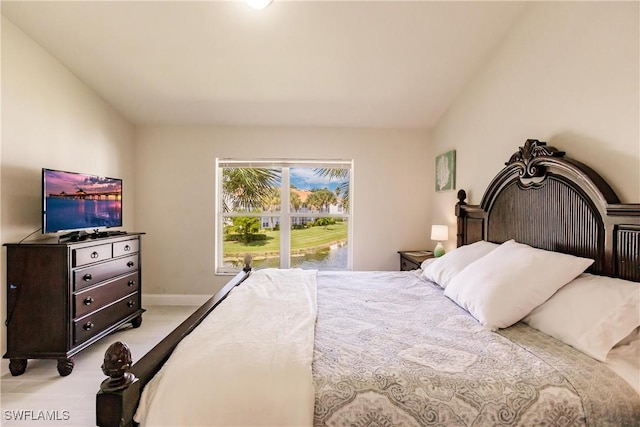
x=117, y=362
x=247, y=262
x=462, y=195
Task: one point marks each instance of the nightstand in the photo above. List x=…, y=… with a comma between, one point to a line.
x=411, y=260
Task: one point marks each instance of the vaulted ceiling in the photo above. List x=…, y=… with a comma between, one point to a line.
x=374, y=64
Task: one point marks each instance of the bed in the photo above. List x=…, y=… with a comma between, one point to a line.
x=453, y=343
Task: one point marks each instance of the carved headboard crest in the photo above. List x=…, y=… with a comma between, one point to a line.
x=526, y=155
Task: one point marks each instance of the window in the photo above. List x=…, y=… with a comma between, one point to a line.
x=306, y=226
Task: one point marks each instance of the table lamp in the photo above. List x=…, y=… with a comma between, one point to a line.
x=439, y=233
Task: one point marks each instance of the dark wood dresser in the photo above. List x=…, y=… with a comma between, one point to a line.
x=63, y=297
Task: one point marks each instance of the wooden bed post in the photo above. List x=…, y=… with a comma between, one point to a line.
x=117, y=407
x=120, y=393
x=471, y=221
x=462, y=195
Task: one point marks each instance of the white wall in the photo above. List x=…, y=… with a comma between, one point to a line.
x=568, y=74
x=175, y=178
x=51, y=119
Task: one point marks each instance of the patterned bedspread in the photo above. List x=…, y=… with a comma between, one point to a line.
x=388, y=354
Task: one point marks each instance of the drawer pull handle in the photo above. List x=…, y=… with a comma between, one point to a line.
x=88, y=300
x=95, y=255
x=131, y=282
x=131, y=264
x=87, y=277
x=88, y=326
x=127, y=248
x=130, y=303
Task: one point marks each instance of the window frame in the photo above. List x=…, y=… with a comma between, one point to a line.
x=284, y=213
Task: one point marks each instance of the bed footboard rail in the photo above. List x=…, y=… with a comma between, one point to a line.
x=119, y=395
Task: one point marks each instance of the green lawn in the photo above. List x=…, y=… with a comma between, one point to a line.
x=307, y=238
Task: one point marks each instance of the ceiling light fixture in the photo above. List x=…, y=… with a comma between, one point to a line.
x=258, y=4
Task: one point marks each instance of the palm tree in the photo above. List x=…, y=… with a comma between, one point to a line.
x=247, y=188
x=322, y=199
x=271, y=203
x=338, y=174
x=294, y=200
x=271, y=200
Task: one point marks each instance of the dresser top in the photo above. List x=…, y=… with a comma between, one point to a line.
x=85, y=240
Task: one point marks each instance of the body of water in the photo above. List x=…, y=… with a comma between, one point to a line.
x=333, y=258
x=72, y=214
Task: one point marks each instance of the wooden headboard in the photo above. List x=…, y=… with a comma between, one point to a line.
x=552, y=202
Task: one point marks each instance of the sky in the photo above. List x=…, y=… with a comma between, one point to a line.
x=58, y=181
x=306, y=179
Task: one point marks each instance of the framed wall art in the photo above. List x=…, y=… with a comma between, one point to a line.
x=446, y=171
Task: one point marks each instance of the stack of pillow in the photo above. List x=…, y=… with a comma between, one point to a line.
x=500, y=285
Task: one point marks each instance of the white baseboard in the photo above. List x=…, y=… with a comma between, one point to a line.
x=174, y=299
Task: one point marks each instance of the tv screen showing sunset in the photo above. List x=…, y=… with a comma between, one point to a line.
x=75, y=201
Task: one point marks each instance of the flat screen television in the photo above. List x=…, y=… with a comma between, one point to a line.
x=75, y=201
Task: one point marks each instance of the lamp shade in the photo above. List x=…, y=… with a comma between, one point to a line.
x=439, y=233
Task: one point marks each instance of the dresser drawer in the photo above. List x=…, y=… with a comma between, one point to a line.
x=97, y=297
x=125, y=248
x=84, y=256
x=84, y=277
x=94, y=323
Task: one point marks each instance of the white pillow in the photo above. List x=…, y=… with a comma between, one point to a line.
x=426, y=262
x=503, y=286
x=442, y=270
x=592, y=314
